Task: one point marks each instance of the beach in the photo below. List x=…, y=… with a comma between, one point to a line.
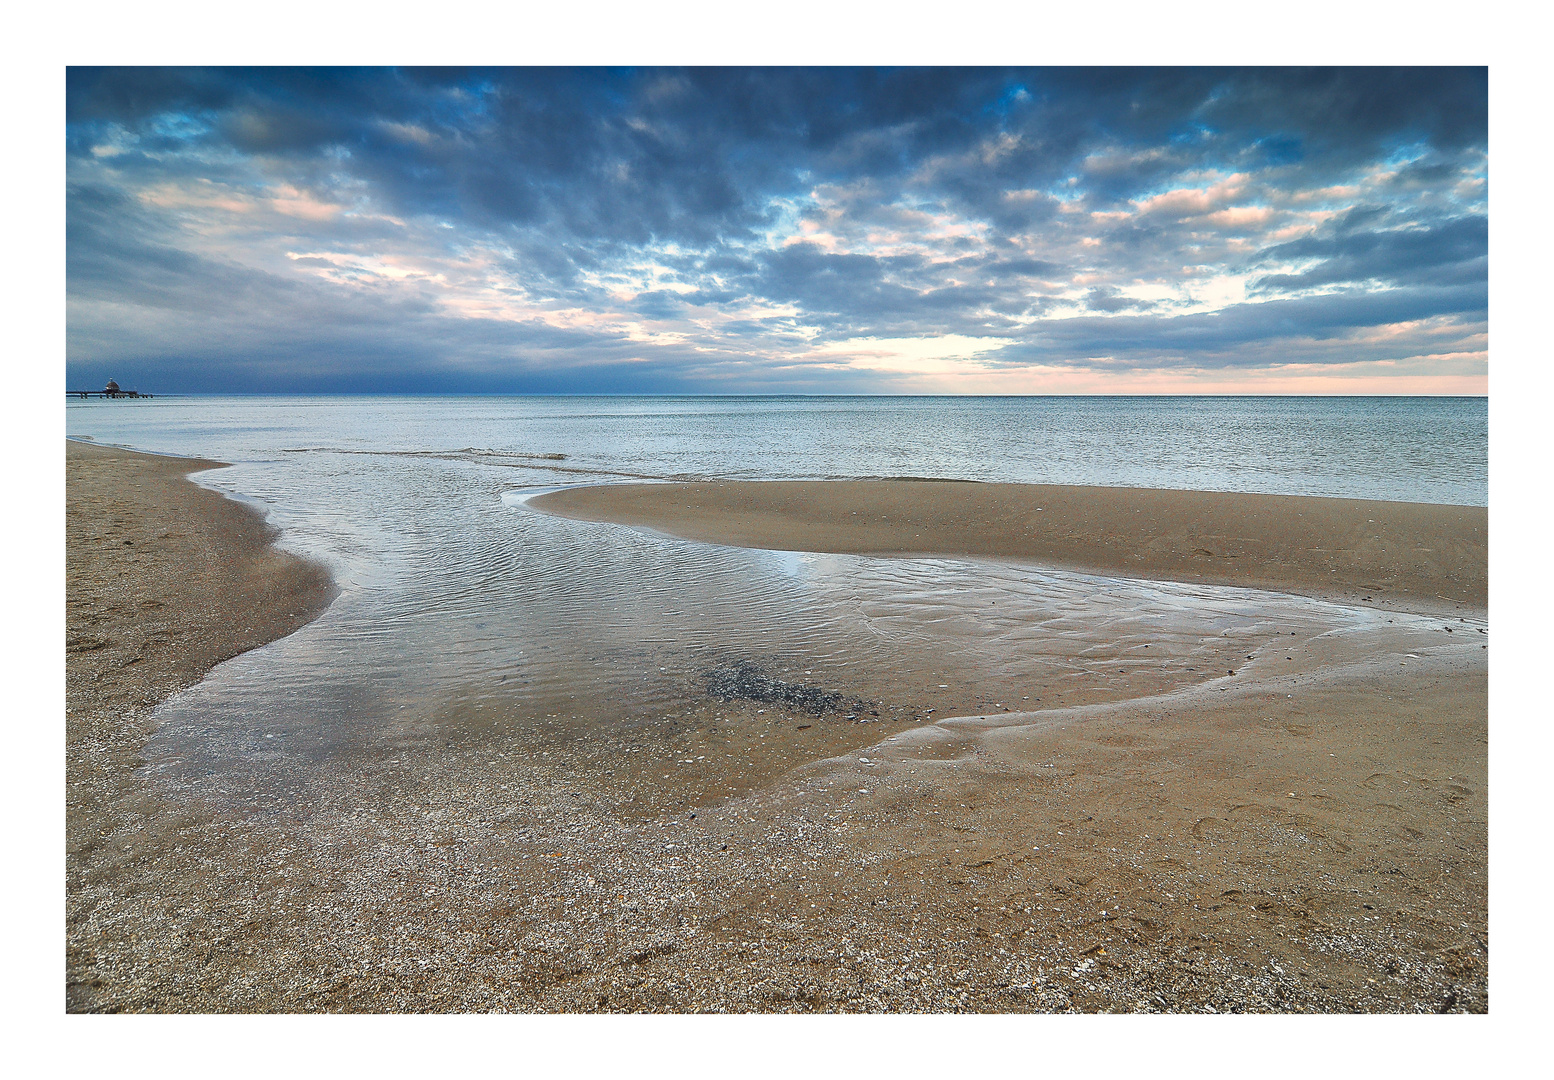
x=164, y=580
x=1305, y=830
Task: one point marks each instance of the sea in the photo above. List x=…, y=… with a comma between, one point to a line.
x=459, y=600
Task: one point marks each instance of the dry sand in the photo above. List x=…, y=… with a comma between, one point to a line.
x=1309, y=836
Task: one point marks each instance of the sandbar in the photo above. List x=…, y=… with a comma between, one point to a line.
x=1324, y=546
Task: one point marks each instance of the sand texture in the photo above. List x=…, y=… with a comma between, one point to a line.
x=163, y=580
x=1330, y=547
x=1307, y=834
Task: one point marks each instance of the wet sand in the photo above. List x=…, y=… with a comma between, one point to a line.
x=163, y=581
x=1308, y=835
x=1351, y=548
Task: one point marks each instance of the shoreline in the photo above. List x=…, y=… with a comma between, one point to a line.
x=1356, y=550
x=1304, y=839
x=165, y=579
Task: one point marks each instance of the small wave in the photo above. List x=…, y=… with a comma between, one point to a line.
x=469, y=452
x=501, y=459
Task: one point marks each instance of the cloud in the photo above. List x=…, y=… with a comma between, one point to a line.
x=495, y=228
x=1453, y=251
x=1107, y=298
x=1335, y=329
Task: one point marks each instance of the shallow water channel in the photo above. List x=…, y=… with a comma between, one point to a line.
x=691, y=672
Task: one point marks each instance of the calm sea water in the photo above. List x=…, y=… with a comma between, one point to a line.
x=1404, y=449
x=458, y=597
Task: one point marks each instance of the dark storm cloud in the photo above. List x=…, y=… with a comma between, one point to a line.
x=1317, y=316
x=1349, y=115
x=631, y=153
x=1451, y=251
x=704, y=224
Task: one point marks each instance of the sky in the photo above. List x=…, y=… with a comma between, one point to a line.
x=778, y=230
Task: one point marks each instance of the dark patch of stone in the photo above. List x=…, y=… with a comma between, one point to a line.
x=747, y=681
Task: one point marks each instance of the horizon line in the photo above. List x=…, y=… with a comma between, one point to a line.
x=162, y=394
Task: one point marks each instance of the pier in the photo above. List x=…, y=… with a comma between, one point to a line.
x=112, y=390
